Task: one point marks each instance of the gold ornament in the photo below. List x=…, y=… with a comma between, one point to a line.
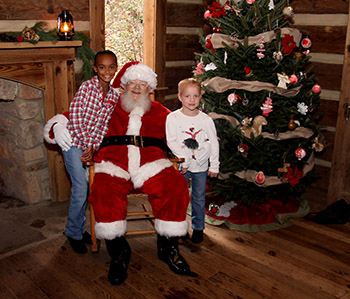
x=291, y=124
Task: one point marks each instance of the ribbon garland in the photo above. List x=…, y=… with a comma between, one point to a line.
x=250, y=175
x=220, y=40
x=220, y=84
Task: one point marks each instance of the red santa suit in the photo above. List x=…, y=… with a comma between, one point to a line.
x=119, y=169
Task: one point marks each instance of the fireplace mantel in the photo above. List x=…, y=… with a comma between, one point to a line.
x=46, y=65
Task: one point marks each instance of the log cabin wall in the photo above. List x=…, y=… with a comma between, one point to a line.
x=184, y=22
x=326, y=20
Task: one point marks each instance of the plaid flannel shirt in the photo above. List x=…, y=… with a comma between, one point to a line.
x=89, y=114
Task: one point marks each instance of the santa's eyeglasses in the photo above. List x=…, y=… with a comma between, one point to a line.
x=142, y=84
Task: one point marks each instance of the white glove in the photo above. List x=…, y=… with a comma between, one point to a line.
x=62, y=137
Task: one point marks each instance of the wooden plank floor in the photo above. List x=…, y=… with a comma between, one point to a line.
x=305, y=260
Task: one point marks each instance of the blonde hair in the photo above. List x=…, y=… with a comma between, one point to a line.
x=189, y=81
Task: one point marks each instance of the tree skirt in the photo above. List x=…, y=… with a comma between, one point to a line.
x=263, y=217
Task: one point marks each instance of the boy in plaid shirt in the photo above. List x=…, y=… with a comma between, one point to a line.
x=89, y=114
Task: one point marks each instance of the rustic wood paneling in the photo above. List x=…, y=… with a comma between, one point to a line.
x=175, y=74
x=328, y=75
x=43, y=9
x=182, y=47
x=326, y=39
x=187, y=15
x=329, y=111
x=320, y=6
x=323, y=177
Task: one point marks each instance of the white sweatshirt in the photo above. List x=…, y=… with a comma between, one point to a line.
x=193, y=138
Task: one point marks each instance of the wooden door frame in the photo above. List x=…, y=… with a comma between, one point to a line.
x=339, y=176
x=154, y=36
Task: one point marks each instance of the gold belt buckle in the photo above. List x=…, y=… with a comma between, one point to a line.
x=136, y=143
x=138, y=140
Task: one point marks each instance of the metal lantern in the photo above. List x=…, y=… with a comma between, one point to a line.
x=65, y=27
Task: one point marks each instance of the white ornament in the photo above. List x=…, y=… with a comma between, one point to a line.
x=210, y=67
x=271, y=5
x=225, y=57
x=302, y=108
x=283, y=81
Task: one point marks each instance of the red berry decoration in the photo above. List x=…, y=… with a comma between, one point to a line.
x=216, y=29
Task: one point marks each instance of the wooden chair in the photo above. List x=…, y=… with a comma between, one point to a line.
x=131, y=216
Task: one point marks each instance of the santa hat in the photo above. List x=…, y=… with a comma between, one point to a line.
x=135, y=70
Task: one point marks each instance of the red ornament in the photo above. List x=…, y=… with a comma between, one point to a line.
x=260, y=178
x=306, y=43
x=247, y=71
x=243, y=149
x=316, y=88
x=214, y=208
x=207, y=14
x=20, y=39
x=300, y=153
x=293, y=79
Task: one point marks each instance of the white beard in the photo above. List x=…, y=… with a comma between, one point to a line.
x=128, y=104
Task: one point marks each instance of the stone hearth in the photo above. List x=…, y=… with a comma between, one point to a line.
x=24, y=170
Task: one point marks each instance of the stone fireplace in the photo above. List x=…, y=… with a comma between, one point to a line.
x=36, y=83
x=24, y=170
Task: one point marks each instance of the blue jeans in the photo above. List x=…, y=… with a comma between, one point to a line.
x=75, y=226
x=199, y=181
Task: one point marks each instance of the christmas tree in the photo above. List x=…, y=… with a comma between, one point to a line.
x=260, y=90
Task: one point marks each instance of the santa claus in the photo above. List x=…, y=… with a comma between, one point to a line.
x=132, y=157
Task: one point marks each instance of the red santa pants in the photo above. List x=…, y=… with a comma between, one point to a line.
x=167, y=193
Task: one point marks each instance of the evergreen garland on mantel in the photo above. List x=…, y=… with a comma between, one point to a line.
x=37, y=33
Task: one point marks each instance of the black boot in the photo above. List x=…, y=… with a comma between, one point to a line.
x=120, y=252
x=168, y=252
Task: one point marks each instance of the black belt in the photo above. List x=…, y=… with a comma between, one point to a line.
x=135, y=140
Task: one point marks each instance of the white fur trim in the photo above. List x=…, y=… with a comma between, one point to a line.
x=58, y=118
x=111, y=169
x=149, y=170
x=110, y=230
x=135, y=122
x=140, y=72
x=133, y=160
x=171, y=228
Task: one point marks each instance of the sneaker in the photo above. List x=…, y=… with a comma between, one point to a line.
x=197, y=236
x=77, y=245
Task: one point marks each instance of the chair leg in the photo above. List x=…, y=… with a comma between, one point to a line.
x=95, y=247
